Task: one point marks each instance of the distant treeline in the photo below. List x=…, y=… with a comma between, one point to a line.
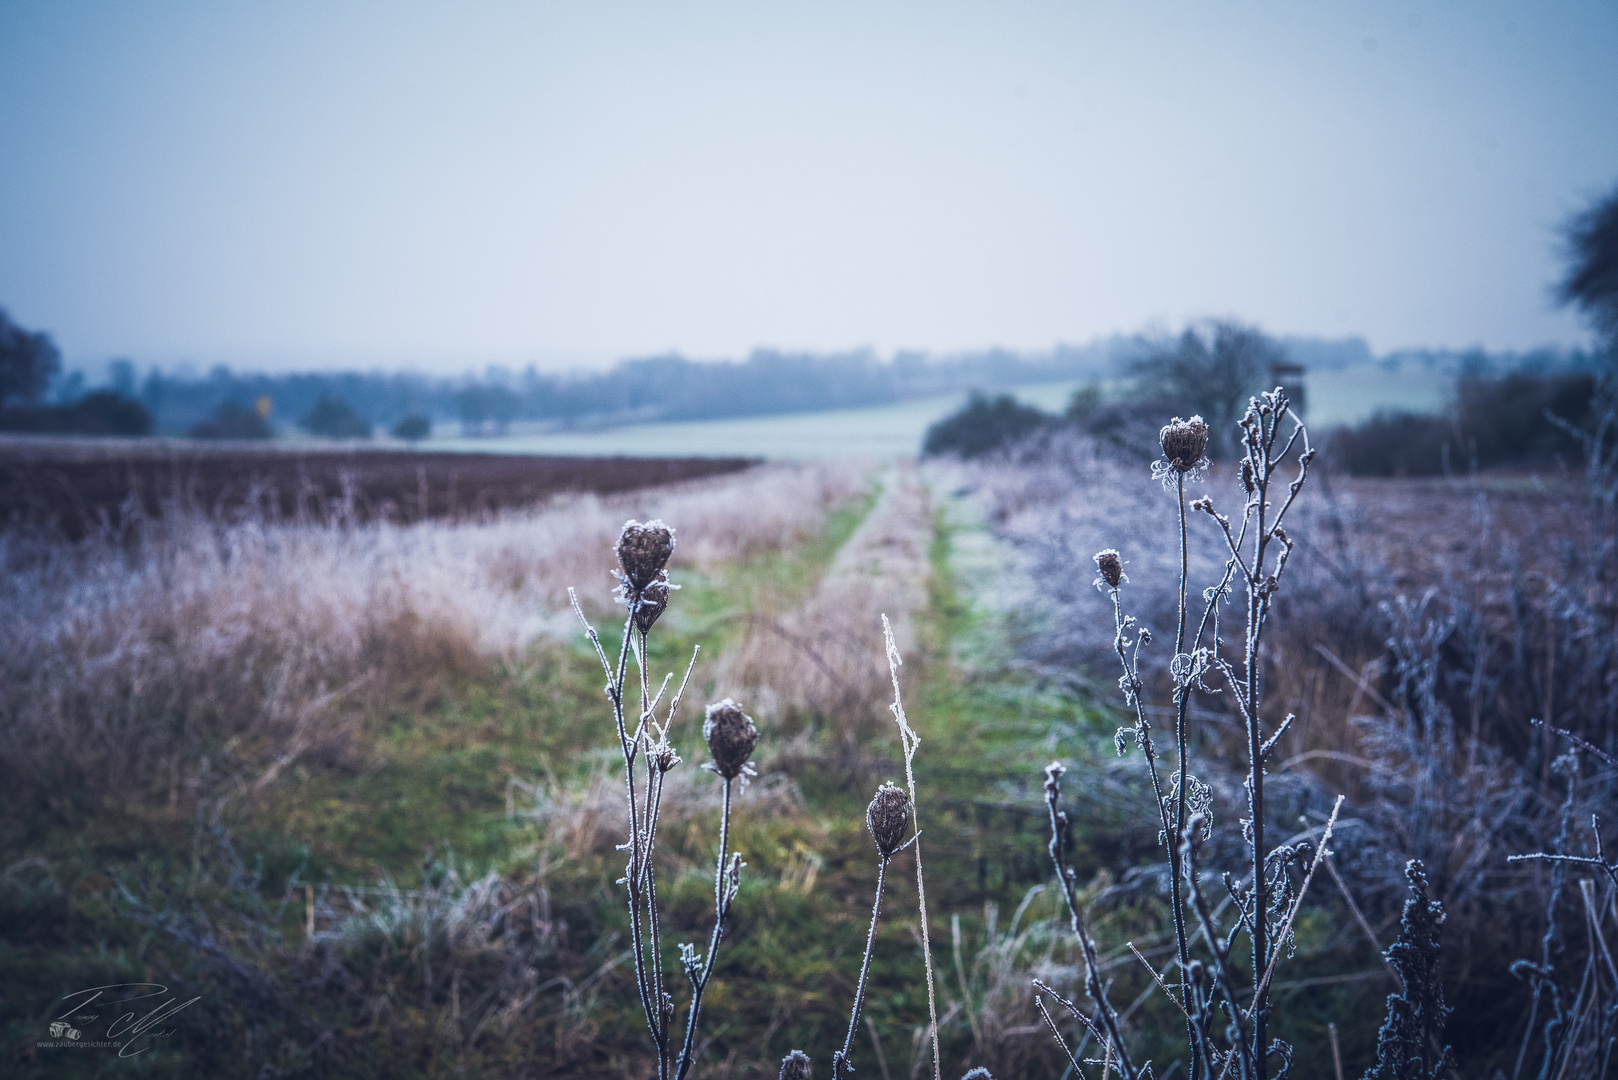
x=658, y=388
x=675, y=388
x=1522, y=411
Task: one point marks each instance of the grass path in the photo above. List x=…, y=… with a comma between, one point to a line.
x=443, y=777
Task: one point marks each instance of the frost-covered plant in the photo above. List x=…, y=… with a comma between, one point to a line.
x=1224, y=998
x=1410, y=1045
x=644, y=588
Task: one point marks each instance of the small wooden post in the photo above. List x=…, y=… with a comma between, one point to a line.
x=309, y=911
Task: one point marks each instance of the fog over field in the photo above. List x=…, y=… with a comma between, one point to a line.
x=312, y=186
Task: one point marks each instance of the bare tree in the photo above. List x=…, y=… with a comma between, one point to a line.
x=1591, y=283
x=28, y=362
x=1211, y=370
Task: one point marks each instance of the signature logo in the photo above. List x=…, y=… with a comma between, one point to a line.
x=131, y=1027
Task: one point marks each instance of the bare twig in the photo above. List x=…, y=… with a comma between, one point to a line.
x=839, y=1061
x=910, y=741
x=1359, y=917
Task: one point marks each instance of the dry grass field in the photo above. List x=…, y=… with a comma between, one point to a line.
x=352, y=783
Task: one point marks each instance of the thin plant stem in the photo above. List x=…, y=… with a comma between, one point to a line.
x=639, y=878
x=839, y=1062
x=1259, y=927
x=1297, y=903
x=1057, y=1035
x=909, y=740
x=723, y=891
x=1143, y=727
x=615, y=694
x=1093, y=985
x=876, y=1044
x=1182, y=694
x=654, y=784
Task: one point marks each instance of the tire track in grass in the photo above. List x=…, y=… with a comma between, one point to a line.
x=820, y=660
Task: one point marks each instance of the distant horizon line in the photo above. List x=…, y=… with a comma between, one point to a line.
x=190, y=368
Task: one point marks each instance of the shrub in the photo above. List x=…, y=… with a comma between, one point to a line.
x=1085, y=403
x=104, y=412
x=1495, y=422
x=1392, y=443
x=982, y=425
x=1130, y=425
x=233, y=421
x=107, y=412
x=1209, y=371
x=1507, y=418
x=335, y=419
x=1450, y=620
x=413, y=428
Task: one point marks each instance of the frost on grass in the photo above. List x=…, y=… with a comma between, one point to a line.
x=817, y=658
x=261, y=644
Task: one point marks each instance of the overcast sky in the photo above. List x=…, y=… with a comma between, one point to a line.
x=449, y=185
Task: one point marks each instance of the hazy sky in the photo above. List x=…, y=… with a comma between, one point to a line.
x=448, y=185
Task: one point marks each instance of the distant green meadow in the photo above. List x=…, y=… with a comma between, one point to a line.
x=889, y=431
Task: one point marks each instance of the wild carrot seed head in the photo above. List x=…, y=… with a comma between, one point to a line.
x=1184, y=442
x=886, y=817
x=1111, y=567
x=795, y=1066
x=663, y=756
x=643, y=550
x=731, y=736
x=654, y=600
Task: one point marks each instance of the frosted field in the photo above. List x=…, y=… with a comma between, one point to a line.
x=1352, y=395
x=883, y=432
x=889, y=431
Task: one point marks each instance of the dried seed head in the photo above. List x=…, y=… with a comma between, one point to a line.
x=886, y=818
x=1184, y=442
x=1111, y=567
x=731, y=736
x=795, y=1066
x=643, y=550
x=654, y=599
x=663, y=756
